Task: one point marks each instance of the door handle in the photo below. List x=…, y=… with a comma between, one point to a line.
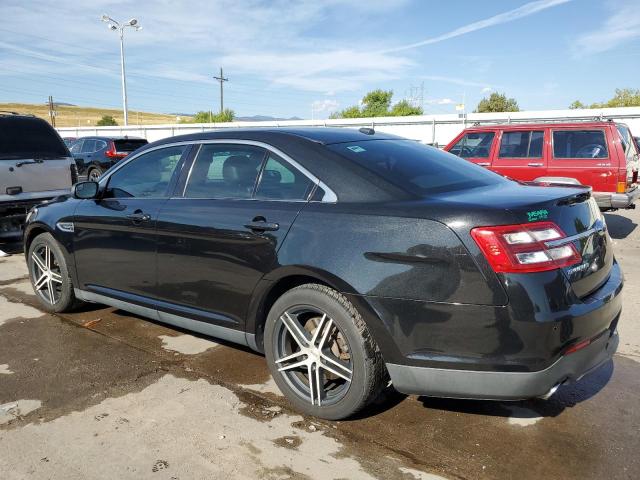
x=483, y=164
x=139, y=216
x=262, y=226
x=535, y=164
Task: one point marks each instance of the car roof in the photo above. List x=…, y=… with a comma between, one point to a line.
x=501, y=126
x=107, y=137
x=321, y=135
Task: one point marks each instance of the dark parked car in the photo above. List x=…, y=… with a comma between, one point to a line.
x=95, y=155
x=348, y=257
x=35, y=166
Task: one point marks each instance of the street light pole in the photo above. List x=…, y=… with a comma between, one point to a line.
x=115, y=25
x=124, y=79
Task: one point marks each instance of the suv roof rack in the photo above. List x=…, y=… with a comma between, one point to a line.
x=512, y=121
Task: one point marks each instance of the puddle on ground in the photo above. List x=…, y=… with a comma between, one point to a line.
x=186, y=344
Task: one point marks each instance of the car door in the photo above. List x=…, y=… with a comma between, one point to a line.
x=520, y=154
x=582, y=153
x=115, y=235
x=475, y=146
x=220, y=237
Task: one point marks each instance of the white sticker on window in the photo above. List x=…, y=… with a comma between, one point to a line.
x=356, y=148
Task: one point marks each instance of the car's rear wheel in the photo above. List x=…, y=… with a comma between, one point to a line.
x=49, y=274
x=321, y=353
x=94, y=174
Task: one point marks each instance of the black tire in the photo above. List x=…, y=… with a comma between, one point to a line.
x=346, y=331
x=94, y=172
x=61, y=285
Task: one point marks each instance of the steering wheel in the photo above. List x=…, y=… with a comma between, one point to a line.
x=591, y=150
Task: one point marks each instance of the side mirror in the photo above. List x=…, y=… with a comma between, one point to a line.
x=85, y=190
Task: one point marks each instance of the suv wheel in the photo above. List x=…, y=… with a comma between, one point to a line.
x=94, y=175
x=49, y=274
x=321, y=353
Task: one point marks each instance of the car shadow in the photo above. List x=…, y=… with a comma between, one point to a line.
x=567, y=396
x=12, y=248
x=619, y=226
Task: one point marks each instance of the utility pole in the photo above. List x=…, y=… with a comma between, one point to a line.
x=52, y=112
x=221, y=79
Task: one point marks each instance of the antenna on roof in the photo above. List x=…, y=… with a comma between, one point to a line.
x=367, y=130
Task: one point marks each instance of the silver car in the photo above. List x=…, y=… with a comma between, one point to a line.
x=35, y=166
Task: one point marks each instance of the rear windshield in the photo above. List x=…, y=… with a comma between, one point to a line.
x=415, y=167
x=29, y=138
x=129, y=145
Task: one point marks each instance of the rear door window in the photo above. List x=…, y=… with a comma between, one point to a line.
x=224, y=171
x=100, y=144
x=281, y=181
x=585, y=144
x=474, y=145
x=89, y=146
x=26, y=137
x=521, y=144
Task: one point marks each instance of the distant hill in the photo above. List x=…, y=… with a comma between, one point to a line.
x=68, y=115
x=263, y=118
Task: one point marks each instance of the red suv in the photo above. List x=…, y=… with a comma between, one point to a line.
x=600, y=154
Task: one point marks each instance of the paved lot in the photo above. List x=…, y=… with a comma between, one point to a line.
x=103, y=394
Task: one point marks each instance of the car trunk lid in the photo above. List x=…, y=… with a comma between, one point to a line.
x=26, y=175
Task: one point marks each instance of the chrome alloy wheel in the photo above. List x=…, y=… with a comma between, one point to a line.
x=94, y=175
x=313, y=355
x=46, y=274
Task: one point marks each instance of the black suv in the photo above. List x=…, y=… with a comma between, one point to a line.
x=95, y=155
x=348, y=257
x=35, y=166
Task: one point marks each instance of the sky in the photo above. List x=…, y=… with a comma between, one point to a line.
x=307, y=58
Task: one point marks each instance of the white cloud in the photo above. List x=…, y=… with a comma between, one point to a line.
x=441, y=101
x=509, y=16
x=623, y=25
x=486, y=90
x=327, y=105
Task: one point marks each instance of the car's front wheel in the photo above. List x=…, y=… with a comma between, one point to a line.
x=321, y=353
x=49, y=274
x=94, y=175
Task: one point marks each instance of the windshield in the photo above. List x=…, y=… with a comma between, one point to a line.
x=418, y=168
x=26, y=138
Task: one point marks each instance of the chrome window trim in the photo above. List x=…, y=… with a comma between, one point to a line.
x=329, y=195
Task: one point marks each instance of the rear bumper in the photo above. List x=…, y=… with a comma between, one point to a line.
x=14, y=210
x=440, y=382
x=617, y=200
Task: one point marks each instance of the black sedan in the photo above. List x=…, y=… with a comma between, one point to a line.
x=348, y=257
x=95, y=155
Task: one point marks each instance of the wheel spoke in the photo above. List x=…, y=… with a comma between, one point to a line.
x=47, y=257
x=312, y=395
x=291, y=357
x=319, y=386
x=41, y=282
x=327, y=330
x=56, y=277
x=50, y=290
x=345, y=370
x=39, y=263
x=294, y=330
x=293, y=365
x=318, y=329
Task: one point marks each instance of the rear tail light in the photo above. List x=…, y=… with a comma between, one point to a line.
x=622, y=187
x=113, y=153
x=522, y=248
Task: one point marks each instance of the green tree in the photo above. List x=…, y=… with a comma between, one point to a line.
x=226, y=115
x=377, y=103
x=107, y=121
x=624, y=97
x=404, y=109
x=497, y=102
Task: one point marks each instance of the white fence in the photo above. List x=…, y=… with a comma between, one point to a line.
x=433, y=129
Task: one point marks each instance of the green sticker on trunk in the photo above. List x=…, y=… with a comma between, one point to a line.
x=537, y=215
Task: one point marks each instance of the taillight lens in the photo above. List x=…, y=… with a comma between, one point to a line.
x=522, y=248
x=113, y=153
